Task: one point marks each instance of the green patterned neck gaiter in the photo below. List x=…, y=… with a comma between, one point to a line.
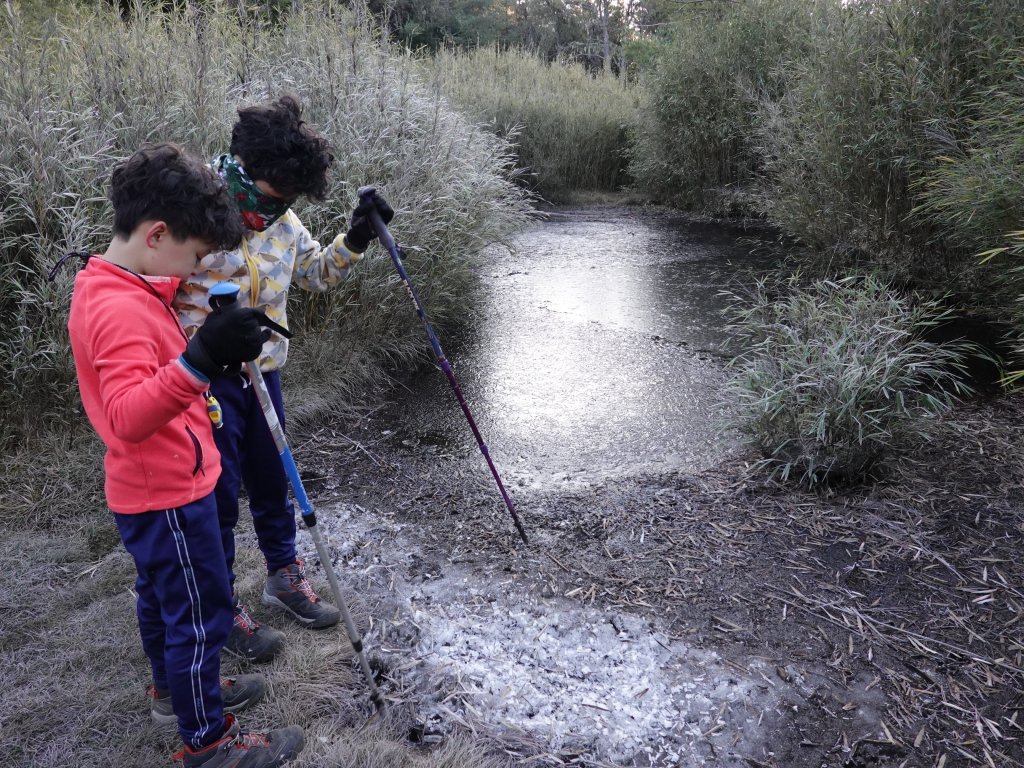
x=259, y=209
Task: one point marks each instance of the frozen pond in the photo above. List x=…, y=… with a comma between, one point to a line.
x=596, y=351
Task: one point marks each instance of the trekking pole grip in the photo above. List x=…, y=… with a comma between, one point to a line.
x=224, y=296
x=365, y=195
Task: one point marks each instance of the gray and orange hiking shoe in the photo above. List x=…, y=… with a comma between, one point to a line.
x=241, y=749
x=237, y=693
x=289, y=588
x=250, y=640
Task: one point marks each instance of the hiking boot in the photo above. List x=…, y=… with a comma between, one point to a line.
x=288, y=588
x=237, y=693
x=250, y=640
x=241, y=749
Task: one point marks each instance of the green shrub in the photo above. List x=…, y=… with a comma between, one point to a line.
x=570, y=127
x=94, y=88
x=694, y=144
x=884, y=132
x=836, y=376
x=974, y=191
x=1010, y=257
x=862, y=128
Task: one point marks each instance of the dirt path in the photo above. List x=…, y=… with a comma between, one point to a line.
x=695, y=620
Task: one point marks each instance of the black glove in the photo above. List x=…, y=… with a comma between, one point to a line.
x=361, y=231
x=228, y=338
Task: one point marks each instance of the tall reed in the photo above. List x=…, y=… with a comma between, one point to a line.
x=570, y=127
x=695, y=142
x=94, y=87
x=87, y=92
x=849, y=148
x=877, y=131
x=973, y=190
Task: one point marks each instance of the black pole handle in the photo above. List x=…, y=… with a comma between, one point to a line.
x=224, y=298
x=366, y=196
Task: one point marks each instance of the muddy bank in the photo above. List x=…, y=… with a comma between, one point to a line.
x=695, y=618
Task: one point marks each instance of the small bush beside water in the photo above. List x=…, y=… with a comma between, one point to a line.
x=836, y=377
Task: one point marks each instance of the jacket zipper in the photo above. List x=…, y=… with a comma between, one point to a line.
x=198, y=449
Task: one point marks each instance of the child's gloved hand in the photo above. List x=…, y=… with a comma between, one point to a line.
x=227, y=339
x=361, y=231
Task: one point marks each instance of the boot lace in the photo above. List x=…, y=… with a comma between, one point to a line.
x=244, y=621
x=245, y=740
x=297, y=577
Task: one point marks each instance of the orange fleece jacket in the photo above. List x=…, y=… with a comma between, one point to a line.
x=145, y=404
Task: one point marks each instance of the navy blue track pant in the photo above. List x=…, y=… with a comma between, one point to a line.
x=248, y=455
x=184, y=609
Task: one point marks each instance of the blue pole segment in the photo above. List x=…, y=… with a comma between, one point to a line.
x=223, y=297
x=297, y=488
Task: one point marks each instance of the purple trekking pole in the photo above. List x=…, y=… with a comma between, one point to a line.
x=389, y=243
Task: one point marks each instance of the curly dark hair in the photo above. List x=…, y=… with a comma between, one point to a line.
x=161, y=182
x=275, y=145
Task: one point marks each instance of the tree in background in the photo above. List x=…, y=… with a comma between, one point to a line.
x=434, y=24
x=596, y=33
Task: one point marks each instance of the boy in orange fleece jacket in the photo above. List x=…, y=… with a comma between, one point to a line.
x=142, y=383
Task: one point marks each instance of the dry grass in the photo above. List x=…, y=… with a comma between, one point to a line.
x=570, y=127
x=73, y=674
x=54, y=483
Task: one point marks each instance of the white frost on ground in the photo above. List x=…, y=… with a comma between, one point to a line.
x=574, y=677
x=558, y=677
x=555, y=672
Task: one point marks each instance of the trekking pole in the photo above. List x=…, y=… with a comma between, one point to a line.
x=388, y=242
x=225, y=295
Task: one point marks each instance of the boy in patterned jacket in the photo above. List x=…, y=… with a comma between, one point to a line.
x=274, y=158
x=142, y=383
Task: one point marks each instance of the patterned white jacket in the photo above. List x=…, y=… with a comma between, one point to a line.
x=263, y=267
